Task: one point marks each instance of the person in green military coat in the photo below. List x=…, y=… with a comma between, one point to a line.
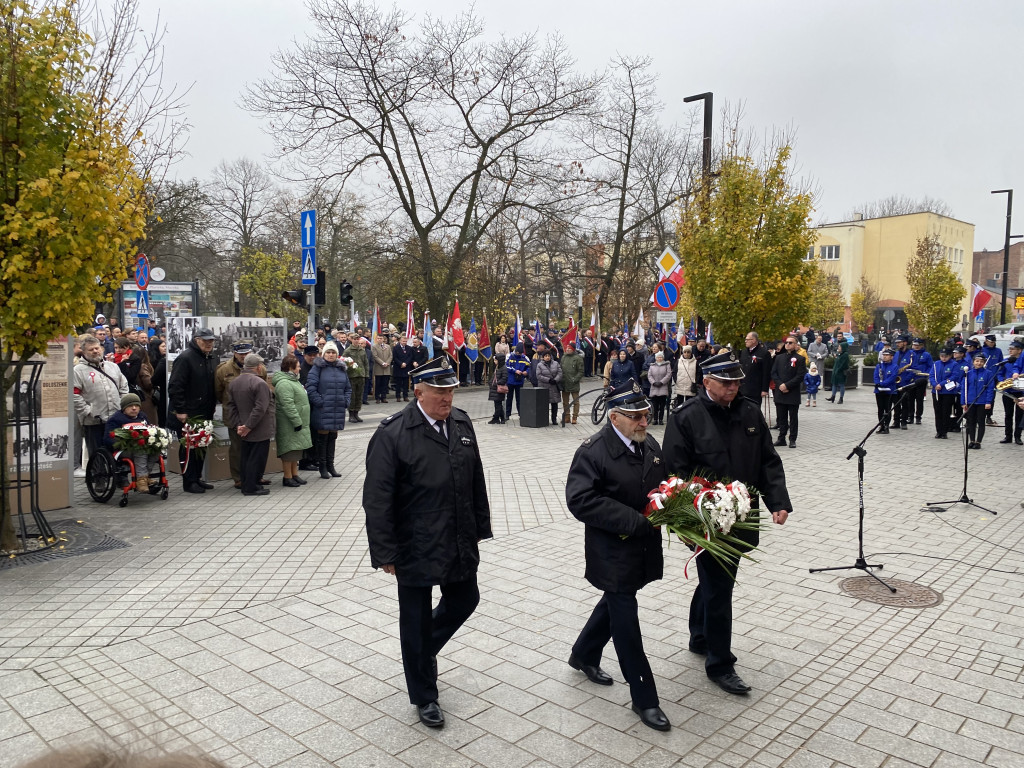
x=357, y=373
x=572, y=375
x=292, y=406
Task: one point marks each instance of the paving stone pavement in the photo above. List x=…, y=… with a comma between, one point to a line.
x=256, y=630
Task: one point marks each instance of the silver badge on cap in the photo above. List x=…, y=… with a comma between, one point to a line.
x=636, y=387
x=444, y=363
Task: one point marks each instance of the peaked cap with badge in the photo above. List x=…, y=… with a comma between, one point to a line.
x=723, y=366
x=628, y=397
x=437, y=373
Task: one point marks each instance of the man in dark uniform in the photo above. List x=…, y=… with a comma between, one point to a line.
x=757, y=369
x=191, y=393
x=401, y=365
x=426, y=509
x=788, y=371
x=1013, y=418
x=726, y=436
x=610, y=477
x=944, y=377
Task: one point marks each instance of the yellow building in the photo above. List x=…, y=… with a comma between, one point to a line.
x=879, y=250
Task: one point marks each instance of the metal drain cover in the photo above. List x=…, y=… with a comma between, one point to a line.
x=907, y=594
x=74, y=539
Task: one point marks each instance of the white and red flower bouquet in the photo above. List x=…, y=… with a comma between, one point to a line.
x=139, y=437
x=705, y=515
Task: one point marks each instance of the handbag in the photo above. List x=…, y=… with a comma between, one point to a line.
x=502, y=389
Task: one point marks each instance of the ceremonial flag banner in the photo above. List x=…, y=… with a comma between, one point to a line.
x=517, y=331
x=570, y=335
x=485, y=339
x=428, y=337
x=471, y=341
x=537, y=335
x=672, y=341
x=979, y=299
x=456, y=339
x=707, y=336
x=638, y=330
x=410, y=325
x=593, y=323
x=375, y=323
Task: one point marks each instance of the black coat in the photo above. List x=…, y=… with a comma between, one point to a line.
x=788, y=368
x=607, y=490
x=190, y=389
x=757, y=367
x=727, y=443
x=399, y=355
x=425, y=500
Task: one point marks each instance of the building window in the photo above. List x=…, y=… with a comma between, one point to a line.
x=830, y=253
x=810, y=254
x=536, y=270
x=997, y=276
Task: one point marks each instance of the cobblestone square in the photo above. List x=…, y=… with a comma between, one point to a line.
x=254, y=629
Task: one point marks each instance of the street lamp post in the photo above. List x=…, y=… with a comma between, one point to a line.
x=705, y=161
x=1006, y=250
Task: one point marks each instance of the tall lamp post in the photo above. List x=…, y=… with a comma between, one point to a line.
x=1006, y=250
x=705, y=161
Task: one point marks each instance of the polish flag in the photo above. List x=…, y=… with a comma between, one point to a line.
x=569, y=337
x=410, y=324
x=979, y=299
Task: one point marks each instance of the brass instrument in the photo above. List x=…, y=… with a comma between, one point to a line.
x=1016, y=384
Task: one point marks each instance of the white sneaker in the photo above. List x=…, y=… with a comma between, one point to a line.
x=79, y=472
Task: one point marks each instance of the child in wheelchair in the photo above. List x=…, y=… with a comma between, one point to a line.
x=131, y=406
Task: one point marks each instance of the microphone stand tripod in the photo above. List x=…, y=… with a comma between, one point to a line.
x=861, y=563
x=964, y=498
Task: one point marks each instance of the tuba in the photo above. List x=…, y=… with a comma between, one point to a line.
x=1011, y=384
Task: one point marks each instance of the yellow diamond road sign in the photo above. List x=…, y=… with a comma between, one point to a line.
x=667, y=262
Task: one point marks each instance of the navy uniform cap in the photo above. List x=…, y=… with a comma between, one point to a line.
x=242, y=345
x=437, y=373
x=946, y=351
x=918, y=340
x=903, y=337
x=887, y=351
x=723, y=366
x=971, y=343
x=990, y=337
x=628, y=397
x=1016, y=344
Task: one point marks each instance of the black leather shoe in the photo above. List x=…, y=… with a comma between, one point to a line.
x=594, y=674
x=780, y=442
x=730, y=682
x=259, y=492
x=1006, y=440
x=205, y=485
x=653, y=718
x=193, y=488
x=263, y=481
x=1018, y=441
x=792, y=443
x=431, y=715
x=903, y=425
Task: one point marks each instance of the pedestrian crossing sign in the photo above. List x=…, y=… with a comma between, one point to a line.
x=309, y=266
x=142, y=304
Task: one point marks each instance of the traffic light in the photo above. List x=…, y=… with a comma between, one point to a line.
x=346, y=292
x=320, y=289
x=298, y=298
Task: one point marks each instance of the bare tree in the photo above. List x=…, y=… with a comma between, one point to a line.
x=898, y=205
x=452, y=129
x=640, y=171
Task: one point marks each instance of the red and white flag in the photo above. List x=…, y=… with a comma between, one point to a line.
x=569, y=337
x=410, y=324
x=453, y=331
x=979, y=299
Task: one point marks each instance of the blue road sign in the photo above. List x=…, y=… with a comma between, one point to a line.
x=142, y=304
x=309, y=266
x=666, y=295
x=307, y=228
x=142, y=272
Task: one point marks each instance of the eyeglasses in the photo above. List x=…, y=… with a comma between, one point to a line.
x=634, y=416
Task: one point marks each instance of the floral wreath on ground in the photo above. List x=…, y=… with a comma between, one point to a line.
x=136, y=437
x=705, y=515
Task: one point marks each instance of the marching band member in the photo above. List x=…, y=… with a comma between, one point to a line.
x=886, y=373
x=921, y=362
x=945, y=377
x=902, y=409
x=1012, y=416
x=976, y=396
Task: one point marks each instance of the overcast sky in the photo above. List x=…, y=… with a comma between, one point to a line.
x=887, y=97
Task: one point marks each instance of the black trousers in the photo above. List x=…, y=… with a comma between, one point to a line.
x=380, y=388
x=917, y=393
x=711, y=610
x=943, y=405
x=424, y=632
x=902, y=407
x=1013, y=417
x=883, y=404
x=788, y=417
x=193, y=473
x=254, y=461
x=616, y=618
x=975, y=419
x=958, y=412
x=401, y=386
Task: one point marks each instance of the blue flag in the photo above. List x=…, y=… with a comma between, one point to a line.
x=517, y=331
x=428, y=336
x=472, y=342
x=673, y=344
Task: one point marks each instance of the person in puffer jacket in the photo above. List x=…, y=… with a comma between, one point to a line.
x=330, y=393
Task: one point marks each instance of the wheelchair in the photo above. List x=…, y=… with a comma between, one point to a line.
x=109, y=471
